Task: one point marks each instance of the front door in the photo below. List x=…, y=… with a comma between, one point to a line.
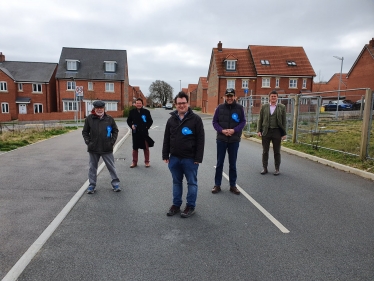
x=89, y=107
x=22, y=108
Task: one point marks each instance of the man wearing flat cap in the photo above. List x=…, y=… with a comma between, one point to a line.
x=228, y=121
x=100, y=133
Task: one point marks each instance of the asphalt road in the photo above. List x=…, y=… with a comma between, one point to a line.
x=312, y=222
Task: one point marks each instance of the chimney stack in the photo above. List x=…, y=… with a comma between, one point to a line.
x=219, y=46
x=371, y=42
x=2, y=57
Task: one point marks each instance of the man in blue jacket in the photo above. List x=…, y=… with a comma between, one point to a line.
x=228, y=121
x=183, y=150
x=100, y=133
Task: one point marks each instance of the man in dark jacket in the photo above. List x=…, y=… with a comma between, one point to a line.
x=100, y=133
x=183, y=150
x=140, y=121
x=228, y=121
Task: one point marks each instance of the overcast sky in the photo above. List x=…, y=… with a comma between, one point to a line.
x=172, y=40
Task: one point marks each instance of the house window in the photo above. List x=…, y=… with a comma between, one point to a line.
x=291, y=63
x=110, y=66
x=277, y=82
x=245, y=84
x=265, y=62
x=69, y=106
x=71, y=64
x=293, y=83
x=111, y=106
x=90, y=86
x=264, y=99
x=70, y=85
x=109, y=87
x=20, y=87
x=4, y=107
x=3, y=87
x=304, y=83
x=230, y=65
x=36, y=88
x=230, y=84
x=38, y=108
x=265, y=82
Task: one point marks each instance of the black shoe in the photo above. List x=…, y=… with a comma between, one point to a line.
x=188, y=211
x=276, y=173
x=216, y=189
x=264, y=171
x=173, y=210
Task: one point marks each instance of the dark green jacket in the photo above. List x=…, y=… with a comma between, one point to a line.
x=264, y=118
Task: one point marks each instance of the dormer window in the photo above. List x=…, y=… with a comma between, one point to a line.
x=110, y=66
x=72, y=65
x=230, y=65
x=265, y=62
x=291, y=63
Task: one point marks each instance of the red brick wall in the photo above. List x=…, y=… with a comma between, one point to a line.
x=4, y=117
x=9, y=96
x=362, y=74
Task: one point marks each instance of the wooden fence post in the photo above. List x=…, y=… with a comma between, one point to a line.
x=365, y=125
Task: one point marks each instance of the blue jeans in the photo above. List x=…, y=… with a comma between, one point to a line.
x=232, y=150
x=179, y=167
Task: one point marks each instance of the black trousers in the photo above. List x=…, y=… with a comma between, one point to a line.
x=274, y=136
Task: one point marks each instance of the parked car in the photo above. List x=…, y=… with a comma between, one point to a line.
x=357, y=105
x=343, y=105
x=169, y=106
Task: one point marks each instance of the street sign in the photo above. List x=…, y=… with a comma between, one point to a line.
x=79, y=91
x=245, y=91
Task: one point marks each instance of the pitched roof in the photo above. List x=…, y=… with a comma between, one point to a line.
x=368, y=47
x=244, y=64
x=204, y=82
x=29, y=71
x=332, y=84
x=91, y=64
x=278, y=58
x=191, y=87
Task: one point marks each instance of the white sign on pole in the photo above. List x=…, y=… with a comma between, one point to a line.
x=79, y=91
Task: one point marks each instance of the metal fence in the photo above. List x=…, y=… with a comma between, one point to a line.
x=309, y=122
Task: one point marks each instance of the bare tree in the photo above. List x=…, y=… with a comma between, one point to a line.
x=160, y=91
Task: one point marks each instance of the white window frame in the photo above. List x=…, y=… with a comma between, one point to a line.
x=3, y=86
x=304, y=83
x=230, y=65
x=110, y=66
x=266, y=82
x=292, y=83
x=109, y=87
x=37, y=87
x=20, y=87
x=4, y=107
x=70, y=85
x=69, y=106
x=71, y=65
x=264, y=99
x=38, y=108
x=277, y=82
x=90, y=86
x=111, y=106
x=230, y=84
x=245, y=83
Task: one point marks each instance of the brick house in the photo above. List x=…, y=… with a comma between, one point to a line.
x=191, y=92
x=256, y=71
x=26, y=88
x=135, y=93
x=201, y=92
x=101, y=73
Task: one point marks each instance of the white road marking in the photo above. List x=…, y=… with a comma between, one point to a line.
x=23, y=262
x=153, y=127
x=260, y=208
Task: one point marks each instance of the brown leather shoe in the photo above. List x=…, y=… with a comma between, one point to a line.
x=133, y=165
x=264, y=171
x=276, y=173
x=216, y=189
x=234, y=190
